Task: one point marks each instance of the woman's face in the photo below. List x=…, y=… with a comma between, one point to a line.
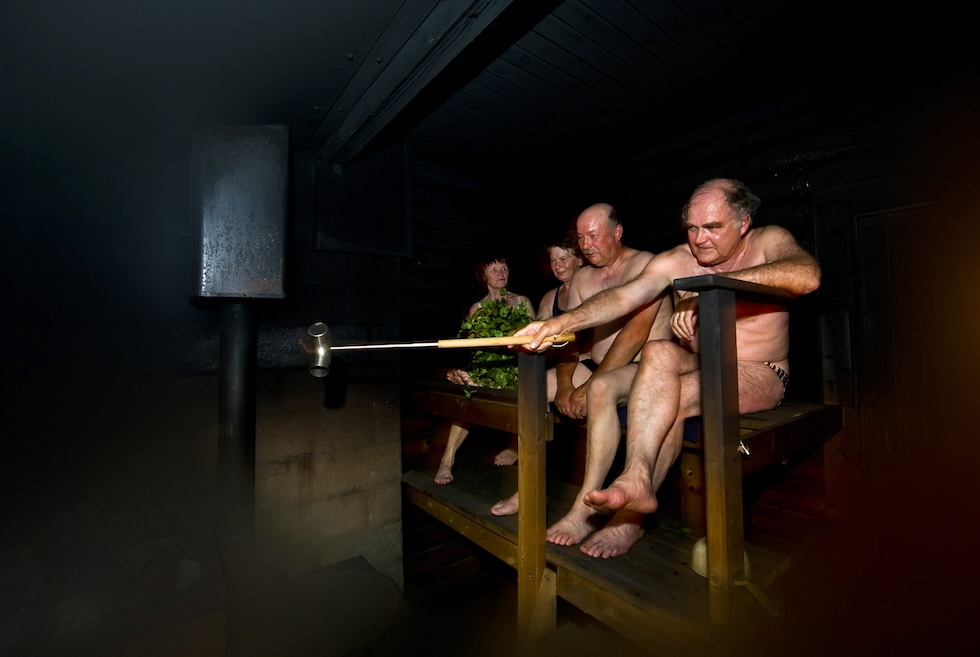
x=497, y=274
x=564, y=263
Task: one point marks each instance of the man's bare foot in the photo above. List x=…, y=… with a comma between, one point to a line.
x=506, y=507
x=620, y=534
x=506, y=457
x=574, y=527
x=624, y=494
x=444, y=475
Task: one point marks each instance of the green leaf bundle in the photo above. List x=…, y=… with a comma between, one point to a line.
x=495, y=319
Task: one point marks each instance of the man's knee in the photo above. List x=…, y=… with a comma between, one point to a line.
x=602, y=387
x=662, y=356
x=657, y=349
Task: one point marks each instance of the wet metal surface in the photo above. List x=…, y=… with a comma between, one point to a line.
x=239, y=192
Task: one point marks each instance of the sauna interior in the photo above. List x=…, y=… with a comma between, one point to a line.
x=188, y=187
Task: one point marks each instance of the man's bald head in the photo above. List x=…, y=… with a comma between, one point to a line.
x=740, y=200
x=599, y=234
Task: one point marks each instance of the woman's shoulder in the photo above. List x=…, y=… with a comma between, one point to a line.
x=549, y=296
x=515, y=300
x=476, y=306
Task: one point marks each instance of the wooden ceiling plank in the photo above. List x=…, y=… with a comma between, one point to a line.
x=600, y=61
x=443, y=35
x=598, y=28
x=609, y=93
x=685, y=31
x=659, y=39
x=405, y=23
x=539, y=71
x=732, y=36
x=506, y=68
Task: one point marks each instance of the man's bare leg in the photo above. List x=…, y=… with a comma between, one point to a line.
x=632, y=495
x=582, y=374
x=606, y=392
x=457, y=434
x=757, y=391
x=653, y=411
x=625, y=527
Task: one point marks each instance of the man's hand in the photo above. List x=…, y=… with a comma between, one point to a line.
x=577, y=408
x=542, y=332
x=685, y=318
x=571, y=402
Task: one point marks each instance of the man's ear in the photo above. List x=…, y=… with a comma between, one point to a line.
x=618, y=232
x=746, y=224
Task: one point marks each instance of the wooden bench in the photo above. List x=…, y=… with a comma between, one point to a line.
x=769, y=437
x=680, y=609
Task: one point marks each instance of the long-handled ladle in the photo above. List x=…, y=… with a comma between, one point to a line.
x=323, y=347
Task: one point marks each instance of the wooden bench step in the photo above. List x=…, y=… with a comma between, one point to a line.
x=650, y=595
x=771, y=437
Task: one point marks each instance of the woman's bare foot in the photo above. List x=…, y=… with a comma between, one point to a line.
x=574, y=527
x=620, y=534
x=462, y=377
x=444, y=475
x=506, y=457
x=625, y=494
x=506, y=507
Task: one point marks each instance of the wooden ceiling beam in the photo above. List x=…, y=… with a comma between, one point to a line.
x=423, y=38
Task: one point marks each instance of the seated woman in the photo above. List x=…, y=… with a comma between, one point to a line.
x=494, y=273
x=564, y=260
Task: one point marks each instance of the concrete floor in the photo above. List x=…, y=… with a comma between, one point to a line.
x=106, y=549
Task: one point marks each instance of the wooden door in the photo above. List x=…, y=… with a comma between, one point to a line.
x=919, y=398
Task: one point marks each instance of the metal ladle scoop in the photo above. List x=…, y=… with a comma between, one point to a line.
x=322, y=346
x=699, y=562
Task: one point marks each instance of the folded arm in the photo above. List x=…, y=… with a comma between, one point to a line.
x=788, y=265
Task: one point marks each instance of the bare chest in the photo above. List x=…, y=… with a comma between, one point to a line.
x=600, y=280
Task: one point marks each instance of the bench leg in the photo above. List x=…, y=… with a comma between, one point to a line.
x=535, y=596
x=544, y=619
x=692, y=490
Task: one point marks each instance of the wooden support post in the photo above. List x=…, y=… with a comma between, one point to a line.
x=536, y=601
x=719, y=412
x=723, y=467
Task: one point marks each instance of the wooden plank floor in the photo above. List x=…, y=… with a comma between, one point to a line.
x=651, y=594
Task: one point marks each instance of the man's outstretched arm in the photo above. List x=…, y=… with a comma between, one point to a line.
x=608, y=305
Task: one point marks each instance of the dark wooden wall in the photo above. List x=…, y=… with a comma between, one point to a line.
x=458, y=220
